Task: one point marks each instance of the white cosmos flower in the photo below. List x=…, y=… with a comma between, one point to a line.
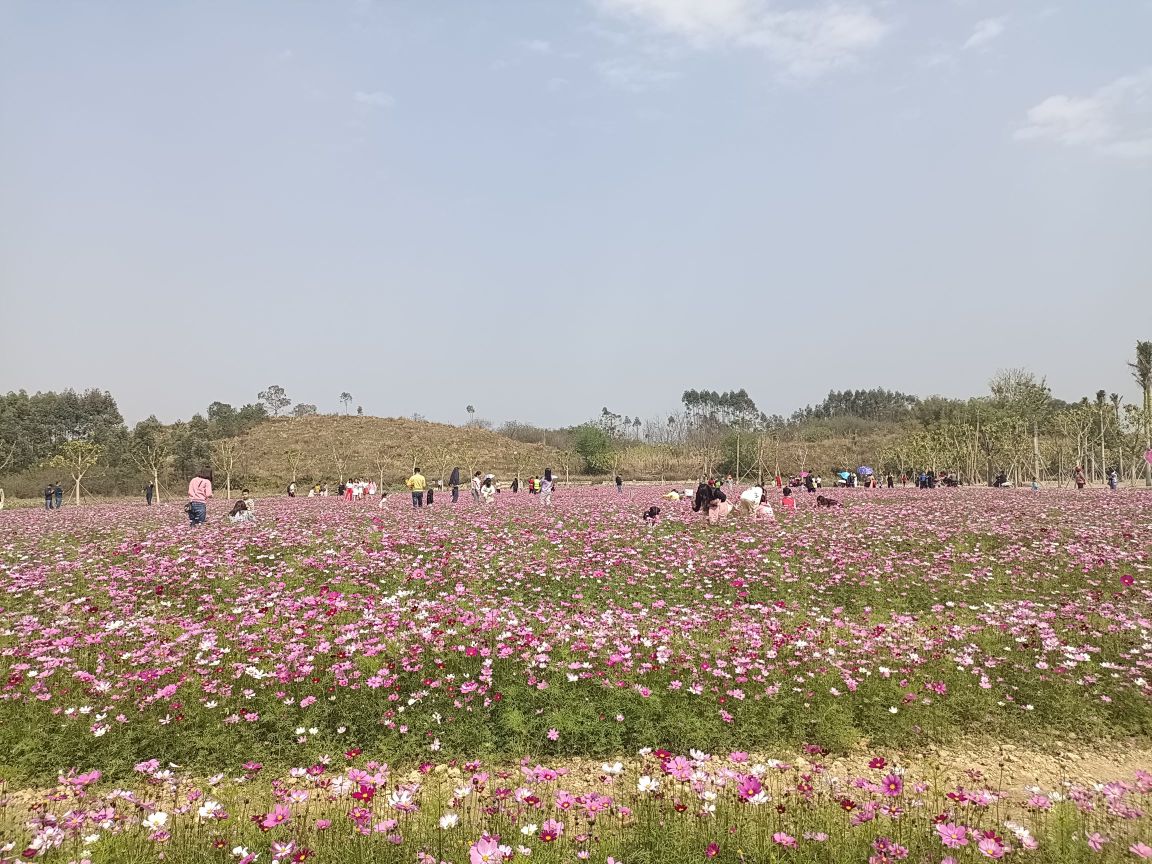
x=528, y=830
x=449, y=820
x=156, y=820
x=647, y=784
x=612, y=768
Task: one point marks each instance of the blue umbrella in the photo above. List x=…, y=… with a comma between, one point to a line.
x=844, y=475
x=864, y=470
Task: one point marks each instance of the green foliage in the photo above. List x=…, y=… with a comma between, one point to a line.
x=594, y=447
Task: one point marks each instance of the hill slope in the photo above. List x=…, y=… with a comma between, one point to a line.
x=328, y=448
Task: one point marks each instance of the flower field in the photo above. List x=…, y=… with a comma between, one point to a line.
x=336, y=682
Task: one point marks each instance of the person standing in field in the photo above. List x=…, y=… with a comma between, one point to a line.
x=58, y=491
x=1078, y=476
x=149, y=491
x=416, y=485
x=199, y=491
x=619, y=484
x=475, y=487
x=547, y=485
x=454, y=482
x=515, y=485
x=48, y=492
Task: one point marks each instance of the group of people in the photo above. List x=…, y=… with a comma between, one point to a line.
x=1081, y=479
x=200, y=490
x=711, y=500
x=53, y=496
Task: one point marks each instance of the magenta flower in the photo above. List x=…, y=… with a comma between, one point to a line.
x=551, y=830
x=712, y=850
x=892, y=785
x=553, y=734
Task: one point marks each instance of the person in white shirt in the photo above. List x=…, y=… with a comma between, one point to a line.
x=750, y=500
x=476, y=487
x=488, y=490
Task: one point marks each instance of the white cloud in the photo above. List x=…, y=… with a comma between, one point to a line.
x=633, y=75
x=538, y=46
x=804, y=42
x=1116, y=120
x=986, y=32
x=374, y=99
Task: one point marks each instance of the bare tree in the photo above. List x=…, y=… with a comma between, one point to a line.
x=151, y=453
x=295, y=459
x=224, y=455
x=78, y=458
x=7, y=457
x=341, y=451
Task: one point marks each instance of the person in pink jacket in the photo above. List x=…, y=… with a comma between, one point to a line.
x=199, y=491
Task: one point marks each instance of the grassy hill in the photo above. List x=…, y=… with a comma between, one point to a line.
x=326, y=448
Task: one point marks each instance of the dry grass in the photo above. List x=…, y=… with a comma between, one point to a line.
x=327, y=448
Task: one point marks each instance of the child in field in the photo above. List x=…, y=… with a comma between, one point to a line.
x=788, y=502
x=546, y=486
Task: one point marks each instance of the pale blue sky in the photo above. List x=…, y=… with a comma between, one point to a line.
x=538, y=207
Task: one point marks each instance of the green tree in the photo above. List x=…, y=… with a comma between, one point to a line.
x=275, y=398
x=304, y=410
x=191, y=446
x=594, y=446
x=1142, y=372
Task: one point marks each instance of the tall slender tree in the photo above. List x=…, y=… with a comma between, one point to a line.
x=1142, y=372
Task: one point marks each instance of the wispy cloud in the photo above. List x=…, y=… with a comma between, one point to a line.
x=804, y=42
x=538, y=46
x=1115, y=120
x=636, y=76
x=985, y=33
x=373, y=99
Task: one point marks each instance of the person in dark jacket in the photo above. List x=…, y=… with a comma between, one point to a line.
x=149, y=491
x=58, y=491
x=49, y=490
x=454, y=482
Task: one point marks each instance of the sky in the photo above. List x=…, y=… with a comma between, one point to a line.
x=545, y=208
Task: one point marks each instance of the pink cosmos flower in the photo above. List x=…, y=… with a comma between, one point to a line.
x=553, y=734
x=749, y=785
x=486, y=850
x=784, y=839
x=712, y=850
x=952, y=836
x=990, y=847
x=279, y=815
x=1096, y=841
x=1141, y=850
x=892, y=785
x=1128, y=580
